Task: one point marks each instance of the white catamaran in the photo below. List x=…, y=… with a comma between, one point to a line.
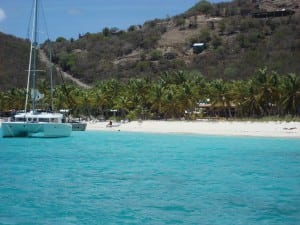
x=35, y=122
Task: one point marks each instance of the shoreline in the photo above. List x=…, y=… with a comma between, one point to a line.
x=276, y=129
x=224, y=128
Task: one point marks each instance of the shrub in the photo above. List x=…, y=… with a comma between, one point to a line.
x=155, y=55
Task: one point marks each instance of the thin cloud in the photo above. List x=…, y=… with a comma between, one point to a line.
x=2, y=15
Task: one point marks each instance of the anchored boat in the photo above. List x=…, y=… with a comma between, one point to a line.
x=35, y=122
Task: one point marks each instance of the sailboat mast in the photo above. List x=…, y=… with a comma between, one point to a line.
x=35, y=46
x=32, y=62
x=51, y=78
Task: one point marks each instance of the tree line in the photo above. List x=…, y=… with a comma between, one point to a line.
x=174, y=95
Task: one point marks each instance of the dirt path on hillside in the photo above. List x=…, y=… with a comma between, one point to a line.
x=44, y=58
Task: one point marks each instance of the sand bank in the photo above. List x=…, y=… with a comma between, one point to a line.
x=234, y=128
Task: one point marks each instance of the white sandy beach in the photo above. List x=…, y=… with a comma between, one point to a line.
x=205, y=127
x=229, y=128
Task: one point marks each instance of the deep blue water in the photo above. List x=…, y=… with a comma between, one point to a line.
x=133, y=178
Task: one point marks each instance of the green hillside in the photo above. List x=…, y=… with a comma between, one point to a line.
x=236, y=46
x=13, y=61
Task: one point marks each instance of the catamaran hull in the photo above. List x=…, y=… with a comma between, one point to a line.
x=15, y=129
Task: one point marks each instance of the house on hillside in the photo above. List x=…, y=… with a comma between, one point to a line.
x=277, y=13
x=198, y=47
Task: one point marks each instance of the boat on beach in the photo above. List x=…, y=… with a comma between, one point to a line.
x=35, y=122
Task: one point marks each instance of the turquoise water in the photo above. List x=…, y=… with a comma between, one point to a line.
x=130, y=178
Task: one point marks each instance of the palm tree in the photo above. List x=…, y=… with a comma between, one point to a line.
x=268, y=91
x=123, y=104
x=76, y=101
x=291, y=94
x=165, y=79
x=60, y=98
x=100, y=100
x=105, y=95
x=4, y=102
x=138, y=92
x=220, y=97
x=156, y=98
x=170, y=104
x=16, y=98
x=189, y=97
x=180, y=77
x=245, y=97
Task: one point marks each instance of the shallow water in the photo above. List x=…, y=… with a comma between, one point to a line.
x=130, y=178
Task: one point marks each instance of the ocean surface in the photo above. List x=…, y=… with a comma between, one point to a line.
x=136, y=178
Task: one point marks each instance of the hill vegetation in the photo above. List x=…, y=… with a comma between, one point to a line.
x=13, y=61
x=236, y=45
x=248, y=68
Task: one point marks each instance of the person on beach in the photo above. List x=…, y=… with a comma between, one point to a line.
x=109, y=124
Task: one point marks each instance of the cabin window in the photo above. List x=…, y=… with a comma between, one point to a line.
x=20, y=119
x=46, y=120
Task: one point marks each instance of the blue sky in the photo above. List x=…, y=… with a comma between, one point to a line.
x=69, y=18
